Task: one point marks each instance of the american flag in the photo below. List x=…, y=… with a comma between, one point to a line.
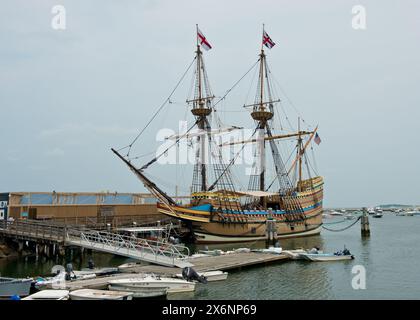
x=202, y=40
x=267, y=41
x=317, y=139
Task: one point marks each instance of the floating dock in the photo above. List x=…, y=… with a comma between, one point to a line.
x=202, y=264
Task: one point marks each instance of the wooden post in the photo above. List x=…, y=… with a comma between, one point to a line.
x=364, y=224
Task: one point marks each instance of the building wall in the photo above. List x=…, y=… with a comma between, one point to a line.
x=44, y=205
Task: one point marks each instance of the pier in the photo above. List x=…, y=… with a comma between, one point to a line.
x=223, y=262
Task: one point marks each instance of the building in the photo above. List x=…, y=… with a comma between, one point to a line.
x=77, y=206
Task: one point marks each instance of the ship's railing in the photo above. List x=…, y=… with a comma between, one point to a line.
x=127, y=244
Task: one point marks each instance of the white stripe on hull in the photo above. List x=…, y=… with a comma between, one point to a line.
x=209, y=238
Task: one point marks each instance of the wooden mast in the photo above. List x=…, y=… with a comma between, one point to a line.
x=261, y=115
x=200, y=111
x=300, y=153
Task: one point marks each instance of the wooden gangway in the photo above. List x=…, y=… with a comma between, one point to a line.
x=156, y=252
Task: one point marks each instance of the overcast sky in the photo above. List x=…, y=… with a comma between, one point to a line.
x=67, y=96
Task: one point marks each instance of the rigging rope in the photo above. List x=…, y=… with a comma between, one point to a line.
x=158, y=110
x=236, y=83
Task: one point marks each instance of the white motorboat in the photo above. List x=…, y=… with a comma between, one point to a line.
x=49, y=295
x=336, y=213
x=274, y=250
x=92, y=294
x=138, y=285
x=405, y=213
x=14, y=287
x=294, y=254
x=377, y=215
x=323, y=257
x=210, y=276
x=413, y=213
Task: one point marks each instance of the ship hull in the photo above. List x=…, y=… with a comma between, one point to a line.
x=252, y=225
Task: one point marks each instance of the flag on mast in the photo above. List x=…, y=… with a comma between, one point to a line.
x=267, y=41
x=202, y=40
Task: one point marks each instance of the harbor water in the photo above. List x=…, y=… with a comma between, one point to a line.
x=390, y=256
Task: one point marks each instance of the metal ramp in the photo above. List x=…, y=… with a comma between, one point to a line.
x=156, y=252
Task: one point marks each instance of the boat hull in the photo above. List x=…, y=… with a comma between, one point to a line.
x=140, y=292
x=325, y=257
x=251, y=225
x=10, y=287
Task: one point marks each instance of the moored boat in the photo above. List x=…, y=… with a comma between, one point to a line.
x=323, y=257
x=210, y=276
x=93, y=294
x=49, y=295
x=149, y=285
x=14, y=287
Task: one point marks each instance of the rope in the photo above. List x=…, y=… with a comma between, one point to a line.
x=158, y=110
x=345, y=228
x=236, y=83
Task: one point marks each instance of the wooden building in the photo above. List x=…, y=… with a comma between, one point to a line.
x=77, y=206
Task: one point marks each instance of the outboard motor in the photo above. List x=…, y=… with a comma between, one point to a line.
x=69, y=270
x=190, y=274
x=91, y=264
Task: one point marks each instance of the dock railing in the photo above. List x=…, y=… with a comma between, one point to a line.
x=142, y=249
x=33, y=229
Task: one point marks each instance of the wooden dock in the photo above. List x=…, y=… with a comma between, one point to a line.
x=202, y=264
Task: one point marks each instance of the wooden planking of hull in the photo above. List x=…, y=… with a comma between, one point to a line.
x=251, y=225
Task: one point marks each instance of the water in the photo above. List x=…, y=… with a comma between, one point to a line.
x=391, y=257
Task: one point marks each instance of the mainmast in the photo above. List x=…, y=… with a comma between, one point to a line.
x=201, y=109
x=261, y=114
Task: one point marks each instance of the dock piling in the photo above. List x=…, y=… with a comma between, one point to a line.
x=364, y=224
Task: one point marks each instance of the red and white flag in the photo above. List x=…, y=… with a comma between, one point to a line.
x=267, y=41
x=202, y=40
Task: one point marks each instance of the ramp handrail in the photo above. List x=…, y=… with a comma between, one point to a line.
x=139, y=245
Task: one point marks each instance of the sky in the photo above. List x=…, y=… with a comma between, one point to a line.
x=68, y=96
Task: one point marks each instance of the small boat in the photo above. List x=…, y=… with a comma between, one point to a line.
x=158, y=284
x=349, y=216
x=322, y=257
x=294, y=254
x=405, y=213
x=413, y=213
x=98, y=271
x=210, y=276
x=273, y=250
x=14, y=287
x=336, y=213
x=92, y=294
x=216, y=252
x=319, y=256
x=377, y=215
x=49, y=295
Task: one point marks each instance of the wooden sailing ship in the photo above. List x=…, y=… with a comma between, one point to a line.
x=217, y=212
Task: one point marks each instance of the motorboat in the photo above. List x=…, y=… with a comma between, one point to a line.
x=273, y=250
x=294, y=254
x=49, y=295
x=405, y=213
x=93, y=294
x=151, y=284
x=323, y=257
x=319, y=256
x=14, y=287
x=349, y=216
x=210, y=276
x=335, y=213
x=377, y=215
